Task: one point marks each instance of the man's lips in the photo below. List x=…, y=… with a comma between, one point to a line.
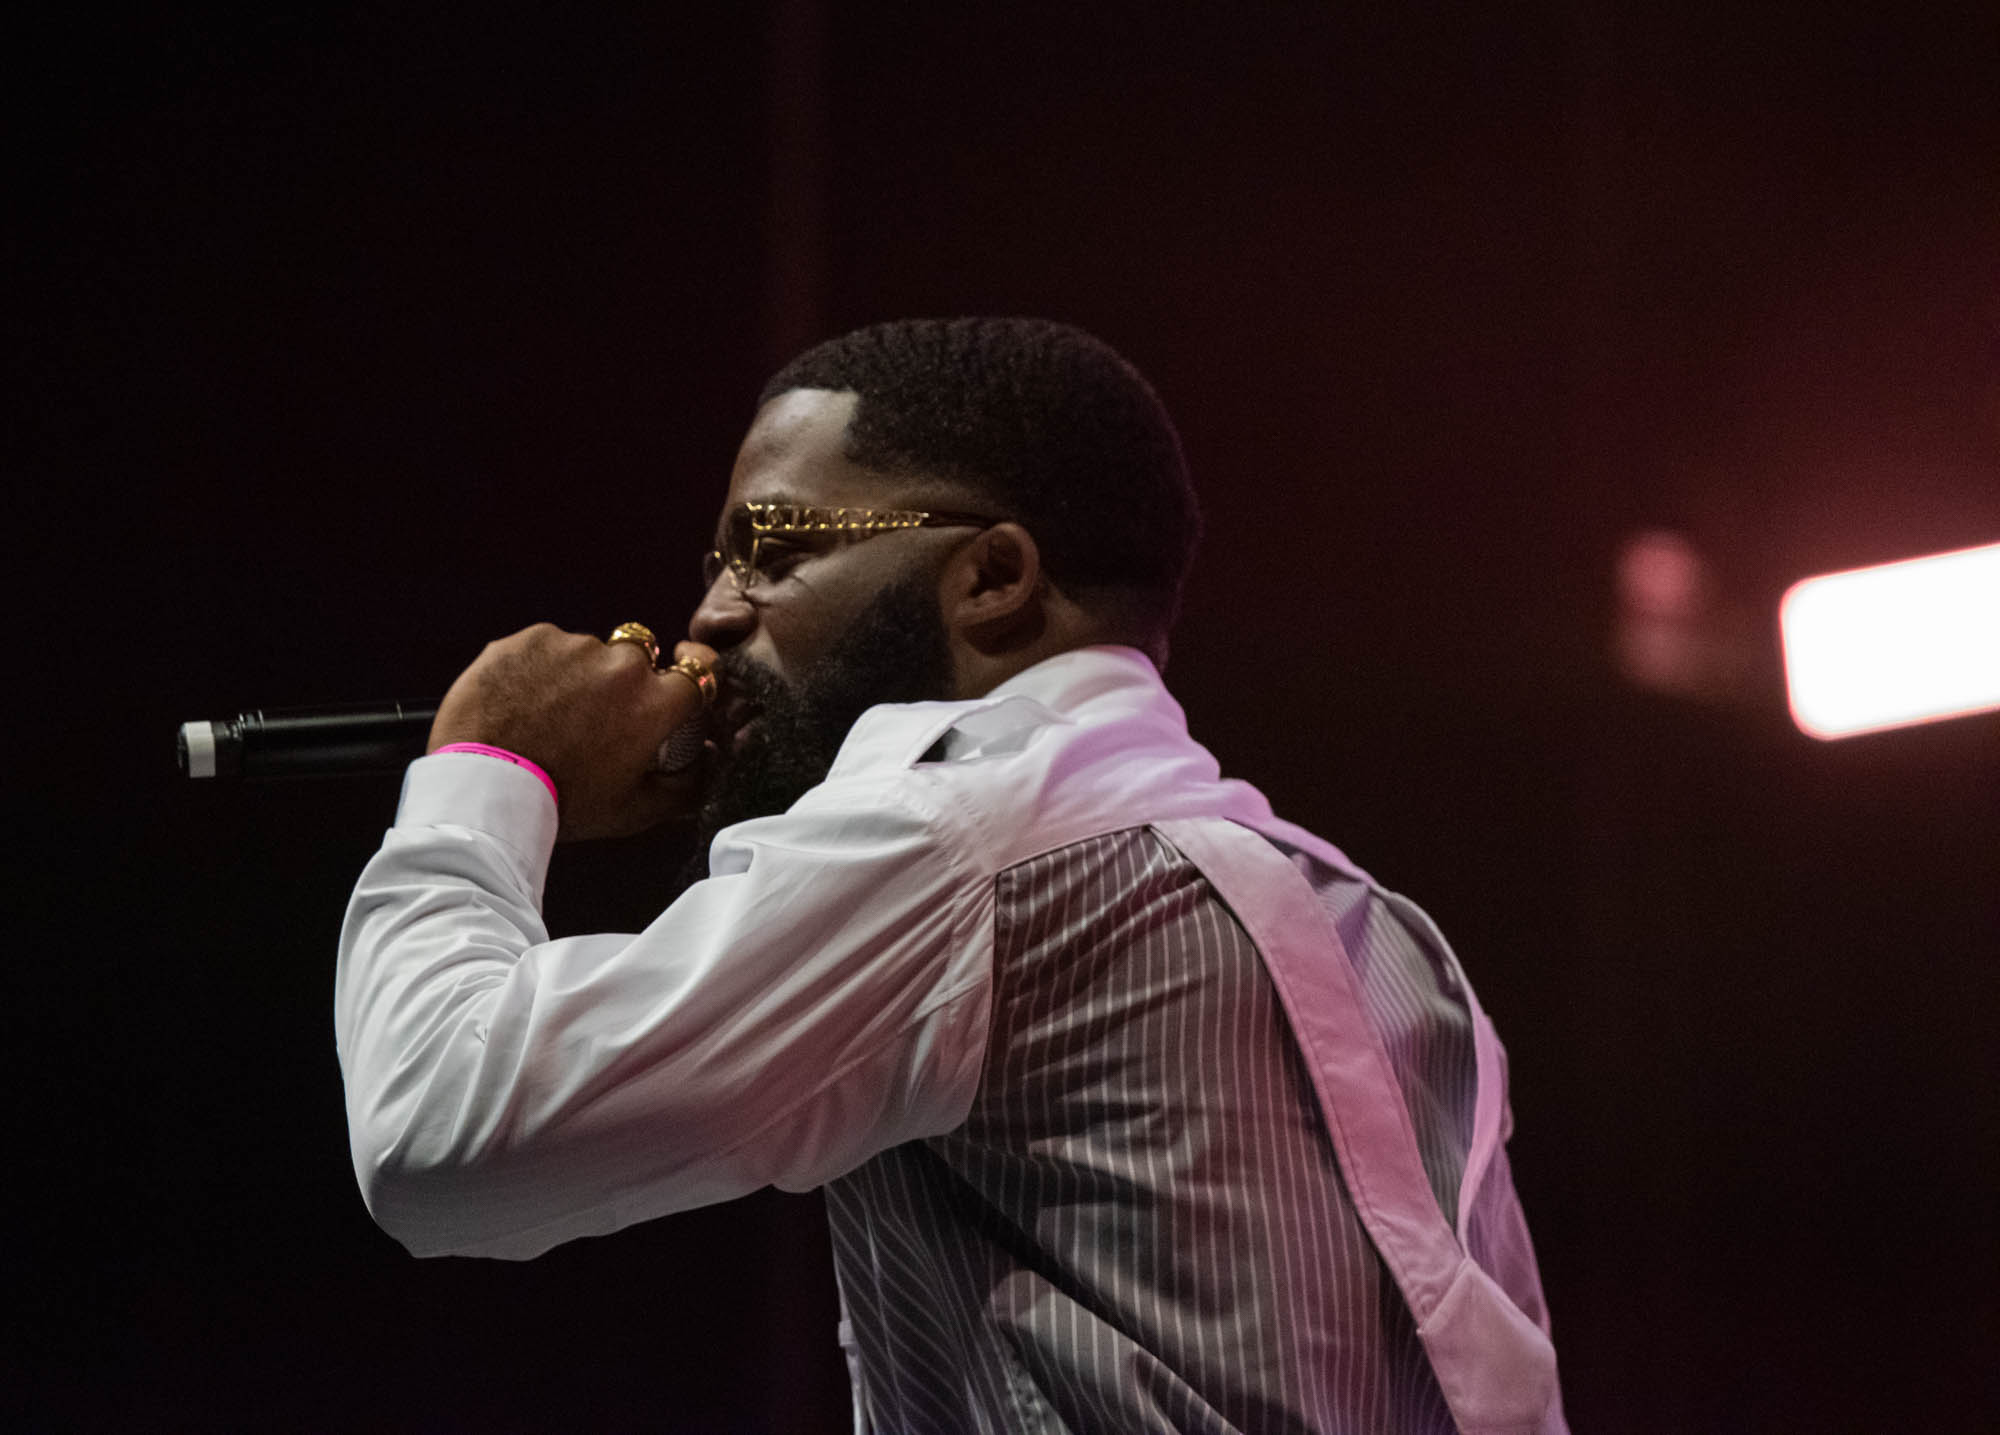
x=732, y=720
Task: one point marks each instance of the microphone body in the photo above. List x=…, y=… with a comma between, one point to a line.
x=354, y=740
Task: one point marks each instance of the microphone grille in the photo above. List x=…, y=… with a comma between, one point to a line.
x=682, y=749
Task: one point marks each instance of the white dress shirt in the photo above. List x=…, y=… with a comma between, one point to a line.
x=821, y=997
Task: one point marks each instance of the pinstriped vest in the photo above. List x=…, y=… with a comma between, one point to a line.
x=1142, y=1224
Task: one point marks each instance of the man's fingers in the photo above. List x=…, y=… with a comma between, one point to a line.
x=685, y=736
x=693, y=668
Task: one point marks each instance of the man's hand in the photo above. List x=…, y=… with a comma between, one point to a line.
x=592, y=715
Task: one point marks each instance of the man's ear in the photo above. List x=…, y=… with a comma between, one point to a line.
x=993, y=589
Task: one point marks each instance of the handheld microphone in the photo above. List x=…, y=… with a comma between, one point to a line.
x=354, y=740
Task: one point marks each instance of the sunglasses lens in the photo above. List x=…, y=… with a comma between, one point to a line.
x=739, y=540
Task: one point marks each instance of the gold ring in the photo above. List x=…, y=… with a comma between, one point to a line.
x=640, y=635
x=698, y=673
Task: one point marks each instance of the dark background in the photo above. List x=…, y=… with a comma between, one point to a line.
x=344, y=340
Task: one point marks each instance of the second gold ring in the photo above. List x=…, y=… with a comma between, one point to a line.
x=700, y=674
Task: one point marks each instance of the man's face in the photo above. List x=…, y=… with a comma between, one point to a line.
x=834, y=627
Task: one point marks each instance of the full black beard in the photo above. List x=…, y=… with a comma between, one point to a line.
x=894, y=651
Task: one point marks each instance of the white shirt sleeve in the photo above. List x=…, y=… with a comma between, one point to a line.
x=824, y=996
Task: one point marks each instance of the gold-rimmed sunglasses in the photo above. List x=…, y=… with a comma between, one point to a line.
x=758, y=537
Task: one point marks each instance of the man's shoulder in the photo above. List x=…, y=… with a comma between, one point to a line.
x=1086, y=685
x=1086, y=743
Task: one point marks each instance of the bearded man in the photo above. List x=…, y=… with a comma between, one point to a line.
x=1136, y=1107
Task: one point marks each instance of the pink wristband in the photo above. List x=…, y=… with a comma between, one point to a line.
x=500, y=752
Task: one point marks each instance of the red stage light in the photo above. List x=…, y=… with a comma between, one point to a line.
x=1896, y=644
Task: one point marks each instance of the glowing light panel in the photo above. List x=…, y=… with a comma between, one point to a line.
x=1896, y=644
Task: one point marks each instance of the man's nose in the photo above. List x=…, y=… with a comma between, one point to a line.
x=724, y=617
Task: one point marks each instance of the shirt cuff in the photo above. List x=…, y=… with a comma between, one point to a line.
x=465, y=789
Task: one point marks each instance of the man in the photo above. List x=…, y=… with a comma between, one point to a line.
x=1136, y=1108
